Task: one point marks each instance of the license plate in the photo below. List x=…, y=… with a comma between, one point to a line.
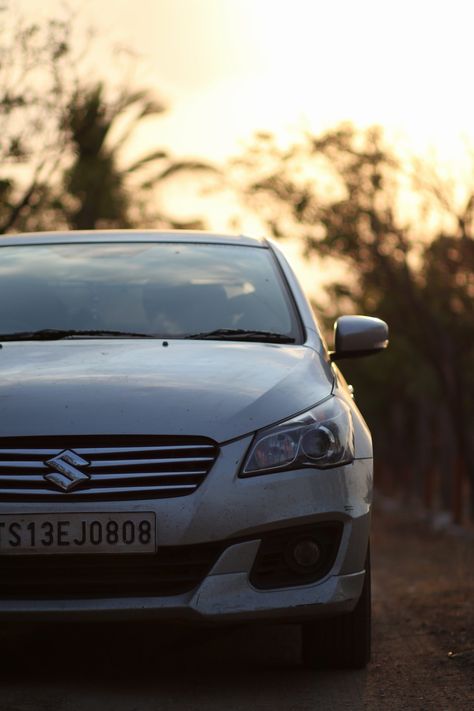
x=77, y=533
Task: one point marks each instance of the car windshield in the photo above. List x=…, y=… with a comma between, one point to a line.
x=142, y=288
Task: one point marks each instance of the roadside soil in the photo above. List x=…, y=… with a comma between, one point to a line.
x=423, y=651
x=423, y=617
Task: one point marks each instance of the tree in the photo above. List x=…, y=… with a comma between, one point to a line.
x=33, y=91
x=341, y=193
x=104, y=193
x=61, y=155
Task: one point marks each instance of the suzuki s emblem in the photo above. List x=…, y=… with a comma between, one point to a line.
x=66, y=476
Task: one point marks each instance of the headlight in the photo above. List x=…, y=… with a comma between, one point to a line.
x=322, y=437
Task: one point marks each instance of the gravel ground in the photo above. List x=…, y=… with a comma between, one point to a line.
x=424, y=617
x=423, y=649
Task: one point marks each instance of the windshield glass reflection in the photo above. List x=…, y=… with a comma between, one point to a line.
x=165, y=289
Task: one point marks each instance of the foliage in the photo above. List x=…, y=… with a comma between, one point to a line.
x=62, y=138
x=104, y=193
x=34, y=61
x=342, y=194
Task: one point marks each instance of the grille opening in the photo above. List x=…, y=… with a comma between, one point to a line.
x=119, y=467
x=173, y=570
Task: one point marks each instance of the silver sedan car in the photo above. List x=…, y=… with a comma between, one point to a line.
x=176, y=441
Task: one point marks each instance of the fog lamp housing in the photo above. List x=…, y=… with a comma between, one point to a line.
x=303, y=555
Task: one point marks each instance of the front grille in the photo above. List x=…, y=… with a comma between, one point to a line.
x=120, y=467
x=171, y=571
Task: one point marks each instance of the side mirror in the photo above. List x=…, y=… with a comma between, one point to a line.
x=356, y=336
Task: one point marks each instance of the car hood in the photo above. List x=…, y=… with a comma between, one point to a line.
x=215, y=389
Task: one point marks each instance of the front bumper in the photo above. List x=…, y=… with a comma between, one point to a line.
x=226, y=507
x=220, y=598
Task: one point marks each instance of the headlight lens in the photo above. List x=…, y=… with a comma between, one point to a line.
x=322, y=437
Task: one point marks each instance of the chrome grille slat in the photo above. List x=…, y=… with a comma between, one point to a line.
x=30, y=452
x=15, y=479
x=141, y=462
x=117, y=467
x=101, y=490
x=28, y=464
x=105, y=450
x=35, y=478
x=23, y=465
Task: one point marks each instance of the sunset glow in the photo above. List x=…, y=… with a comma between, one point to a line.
x=230, y=67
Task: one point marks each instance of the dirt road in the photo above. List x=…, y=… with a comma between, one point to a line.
x=423, y=649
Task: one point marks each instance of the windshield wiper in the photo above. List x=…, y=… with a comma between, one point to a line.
x=241, y=334
x=56, y=334
x=230, y=334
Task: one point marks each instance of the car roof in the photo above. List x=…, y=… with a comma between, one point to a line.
x=82, y=236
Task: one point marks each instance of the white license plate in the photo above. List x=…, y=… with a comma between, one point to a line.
x=77, y=533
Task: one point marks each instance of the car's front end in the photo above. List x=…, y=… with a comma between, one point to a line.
x=150, y=470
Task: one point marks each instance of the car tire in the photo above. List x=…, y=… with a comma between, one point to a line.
x=342, y=642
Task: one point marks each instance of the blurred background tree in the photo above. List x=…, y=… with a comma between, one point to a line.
x=34, y=63
x=98, y=191
x=341, y=194
x=62, y=138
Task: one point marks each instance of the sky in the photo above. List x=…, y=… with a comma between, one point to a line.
x=228, y=68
